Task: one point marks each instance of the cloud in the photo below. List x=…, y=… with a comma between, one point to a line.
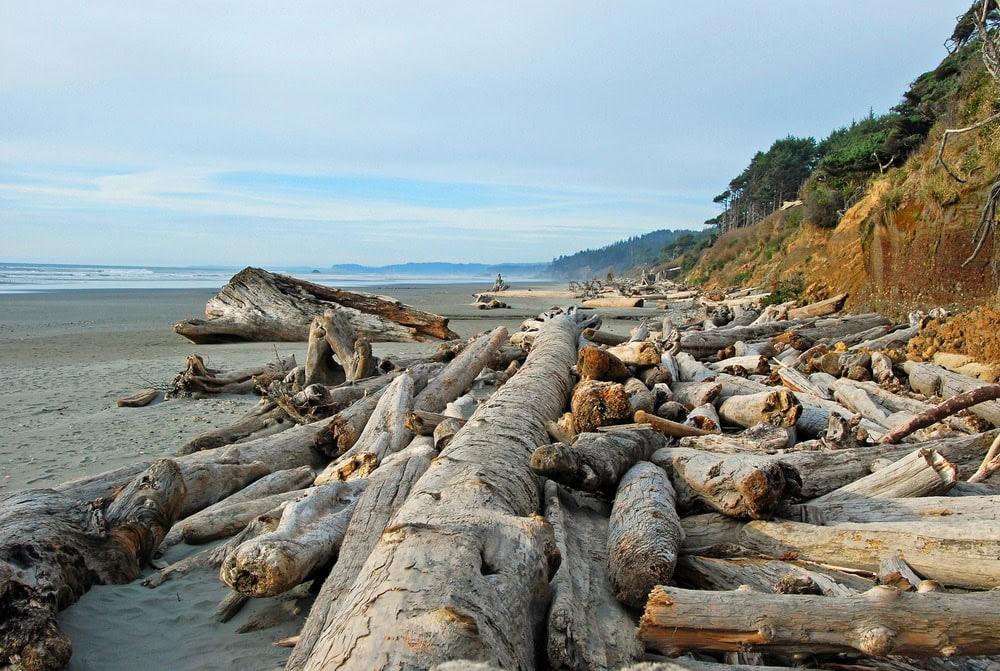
x=481, y=117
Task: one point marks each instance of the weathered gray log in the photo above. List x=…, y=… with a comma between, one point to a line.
x=211, y=482
x=596, y=461
x=639, y=395
x=198, y=380
x=387, y=488
x=704, y=417
x=637, y=353
x=385, y=432
x=446, y=431
x=596, y=403
x=320, y=366
x=704, y=344
x=737, y=485
x=266, y=418
x=258, y=305
x=742, y=366
x=897, y=404
x=758, y=439
x=966, y=555
x=594, y=363
x=288, y=449
x=950, y=509
x=895, y=572
x=139, y=399
x=820, y=308
x=212, y=556
x=881, y=621
x=307, y=537
x=933, y=380
x=587, y=627
x=54, y=548
x=644, y=534
x=228, y=519
x=690, y=369
x=693, y=394
x=849, y=329
x=603, y=337
x=458, y=375
x=823, y=471
x=470, y=525
x=274, y=483
x=344, y=429
x=766, y=575
x=779, y=407
x=923, y=472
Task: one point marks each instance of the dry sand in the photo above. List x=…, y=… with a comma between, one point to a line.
x=64, y=359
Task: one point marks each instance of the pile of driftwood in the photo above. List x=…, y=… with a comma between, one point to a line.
x=784, y=492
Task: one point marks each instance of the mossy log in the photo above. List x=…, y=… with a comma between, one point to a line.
x=260, y=306
x=54, y=548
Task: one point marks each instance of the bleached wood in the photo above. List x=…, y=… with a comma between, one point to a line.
x=879, y=622
x=923, y=472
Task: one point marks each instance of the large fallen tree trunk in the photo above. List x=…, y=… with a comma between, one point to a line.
x=463, y=570
x=261, y=306
x=954, y=509
x=387, y=488
x=53, y=548
x=587, y=627
x=881, y=621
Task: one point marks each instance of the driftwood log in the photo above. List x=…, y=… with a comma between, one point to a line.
x=881, y=621
x=463, y=570
x=385, y=492
x=644, y=534
x=587, y=627
x=54, y=548
x=261, y=306
x=737, y=485
x=596, y=461
x=307, y=537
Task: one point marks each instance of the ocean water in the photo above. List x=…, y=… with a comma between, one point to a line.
x=28, y=278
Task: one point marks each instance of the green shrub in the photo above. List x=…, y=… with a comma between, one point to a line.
x=783, y=291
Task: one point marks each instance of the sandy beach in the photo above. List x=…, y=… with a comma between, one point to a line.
x=64, y=359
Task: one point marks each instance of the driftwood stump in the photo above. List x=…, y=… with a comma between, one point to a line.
x=54, y=548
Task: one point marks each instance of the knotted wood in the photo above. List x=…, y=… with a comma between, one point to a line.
x=596, y=461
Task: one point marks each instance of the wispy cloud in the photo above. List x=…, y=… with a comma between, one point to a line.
x=471, y=131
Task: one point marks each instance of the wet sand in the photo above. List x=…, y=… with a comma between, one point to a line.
x=64, y=359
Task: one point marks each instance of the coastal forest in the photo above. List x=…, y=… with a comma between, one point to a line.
x=897, y=209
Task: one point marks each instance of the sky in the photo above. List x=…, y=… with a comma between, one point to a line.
x=314, y=133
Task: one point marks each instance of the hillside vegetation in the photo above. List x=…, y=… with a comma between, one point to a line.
x=878, y=214
x=616, y=258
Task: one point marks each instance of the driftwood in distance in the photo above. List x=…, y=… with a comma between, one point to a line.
x=260, y=306
x=54, y=548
